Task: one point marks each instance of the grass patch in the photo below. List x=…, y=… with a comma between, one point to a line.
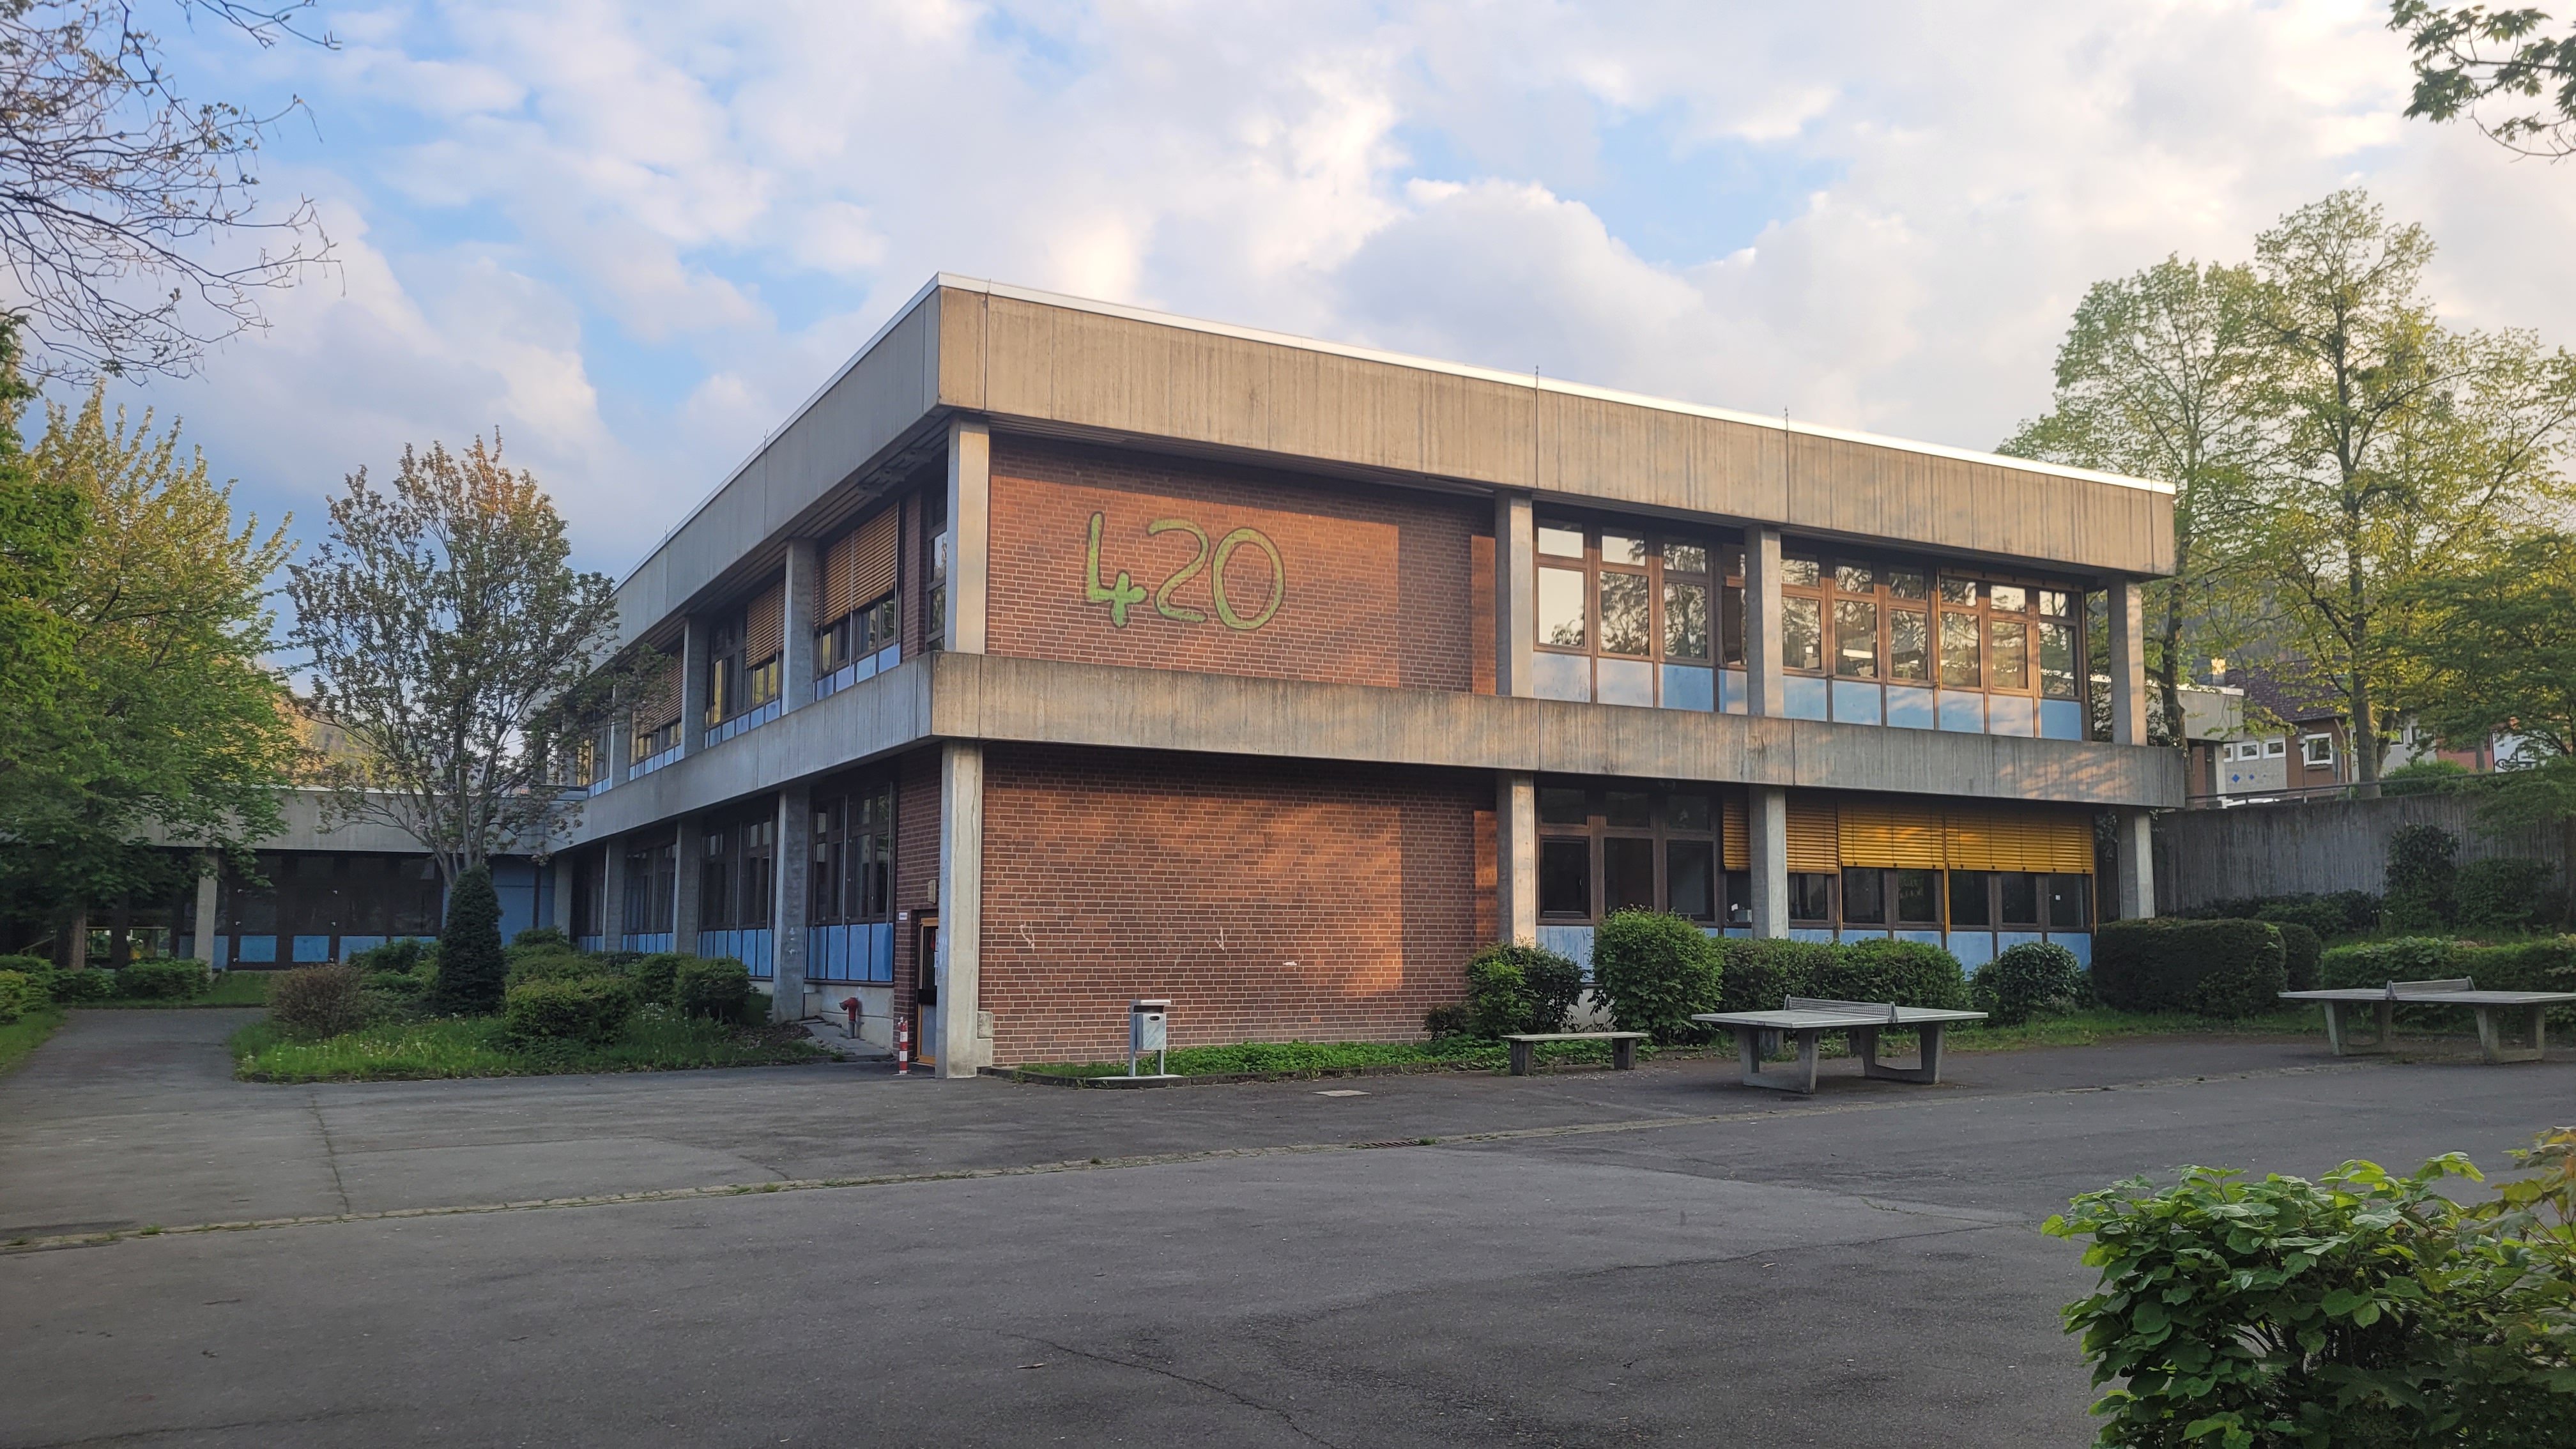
x=1318, y=1056
x=481, y=1046
x=27, y=1033
x=231, y=988
x=2096, y=1024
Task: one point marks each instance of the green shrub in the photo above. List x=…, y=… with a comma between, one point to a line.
x=1443, y=1022
x=405, y=985
x=1515, y=988
x=2546, y=964
x=19, y=994
x=2424, y=777
x=654, y=975
x=1909, y=973
x=1654, y=970
x=2300, y=949
x=2376, y=963
x=401, y=955
x=563, y=965
x=2360, y=910
x=70, y=987
x=1763, y=973
x=2363, y=1310
x=471, y=971
x=2031, y=978
x=163, y=980
x=2316, y=915
x=27, y=965
x=541, y=938
x=718, y=987
x=2213, y=968
x=315, y=1002
x=2501, y=895
x=593, y=1009
x=2422, y=876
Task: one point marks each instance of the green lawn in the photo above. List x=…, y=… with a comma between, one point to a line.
x=231, y=988
x=26, y=1034
x=482, y=1047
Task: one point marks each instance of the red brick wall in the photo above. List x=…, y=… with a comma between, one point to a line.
x=1272, y=901
x=1381, y=585
x=916, y=863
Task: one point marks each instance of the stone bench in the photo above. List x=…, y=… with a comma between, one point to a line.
x=1623, y=1047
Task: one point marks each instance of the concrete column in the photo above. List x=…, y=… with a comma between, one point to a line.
x=970, y=533
x=1515, y=596
x=694, y=653
x=1516, y=856
x=2128, y=664
x=612, y=896
x=2135, y=886
x=796, y=662
x=965, y=1041
x=621, y=742
x=203, y=946
x=1766, y=820
x=689, y=849
x=1764, y=691
x=793, y=906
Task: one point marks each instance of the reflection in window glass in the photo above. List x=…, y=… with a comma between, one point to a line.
x=1800, y=573
x=2009, y=668
x=2007, y=597
x=1854, y=579
x=2069, y=902
x=1565, y=877
x=1560, y=608
x=1855, y=639
x=1864, y=897
x=1558, y=805
x=2057, y=661
x=1628, y=874
x=1958, y=591
x=2017, y=898
x=1561, y=539
x=1732, y=626
x=1625, y=548
x=1959, y=662
x=1802, y=634
x=1688, y=812
x=2056, y=603
x=1685, y=620
x=1918, y=897
x=1689, y=867
x=1630, y=808
x=1968, y=899
x=1811, y=897
x=1626, y=623
x=1688, y=558
x=1731, y=558
x=1907, y=649
x=1906, y=583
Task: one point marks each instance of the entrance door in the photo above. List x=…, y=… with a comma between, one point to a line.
x=925, y=992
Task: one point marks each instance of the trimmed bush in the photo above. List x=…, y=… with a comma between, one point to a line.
x=2501, y=895
x=163, y=980
x=717, y=987
x=1909, y=973
x=541, y=938
x=2376, y=963
x=653, y=975
x=314, y=1002
x=407, y=985
x=2211, y=968
x=1654, y=970
x=71, y=987
x=471, y=971
x=1761, y=974
x=2300, y=949
x=2316, y=915
x=593, y=1009
x=19, y=994
x=1443, y=1022
x=2422, y=876
x=2031, y=978
x=402, y=955
x=564, y=965
x=1515, y=988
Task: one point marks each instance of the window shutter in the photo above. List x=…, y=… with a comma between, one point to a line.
x=1736, y=847
x=872, y=563
x=765, y=624
x=1890, y=834
x=1969, y=842
x=836, y=579
x=1815, y=842
x=657, y=695
x=2070, y=843
x=2059, y=841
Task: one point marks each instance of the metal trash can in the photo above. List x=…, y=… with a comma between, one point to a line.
x=1148, y=1030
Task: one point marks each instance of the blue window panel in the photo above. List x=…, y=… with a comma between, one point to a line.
x=262, y=949
x=184, y=948
x=863, y=669
x=1805, y=697
x=888, y=657
x=1687, y=686
x=590, y=943
x=1928, y=938
x=1627, y=681
x=1855, y=702
x=514, y=880
x=222, y=956
x=1740, y=931
x=2006, y=940
x=882, y=953
x=1565, y=676
x=1973, y=948
x=312, y=948
x=818, y=953
x=352, y=945
x=1731, y=694
x=1909, y=706
x=1863, y=933
x=2079, y=942
x=1963, y=712
x=2009, y=714
x=1821, y=934
x=649, y=942
x=2061, y=719
x=1571, y=942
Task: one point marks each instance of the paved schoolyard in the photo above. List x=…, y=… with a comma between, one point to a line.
x=1578, y=1259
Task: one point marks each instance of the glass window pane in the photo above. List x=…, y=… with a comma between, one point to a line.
x=1686, y=558
x=2056, y=603
x=1687, y=812
x=1565, y=540
x=1802, y=634
x=1628, y=874
x=1565, y=676
x=1855, y=578
x=1800, y=573
x=1855, y=639
x=1632, y=808
x=1907, y=643
x=1864, y=897
x=2010, y=598
x=1689, y=686
x=1906, y=583
x=1918, y=897
x=2069, y=900
x=1739, y=897
x=1960, y=667
x=1626, y=626
x=1732, y=635
x=1909, y=706
x=1624, y=681
x=1565, y=877
x=2009, y=668
x=1811, y=897
x=1560, y=608
x=1685, y=620
x=1561, y=805
x=2057, y=660
x=1689, y=870
x=1968, y=899
x=1625, y=548
x=1958, y=591
x=1730, y=557
x=2017, y=898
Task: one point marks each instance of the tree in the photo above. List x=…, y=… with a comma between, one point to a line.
x=457, y=650
x=2467, y=54
x=2158, y=379
x=40, y=522
x=169, y=727
x=471, y=968
x=113, y=185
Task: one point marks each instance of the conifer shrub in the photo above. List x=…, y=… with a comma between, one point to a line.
x=2300, y=950
x=472, y=972
x=2422, y=878
x=2502, y=896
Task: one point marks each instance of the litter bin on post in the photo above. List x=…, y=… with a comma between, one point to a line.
x=1148, y=1030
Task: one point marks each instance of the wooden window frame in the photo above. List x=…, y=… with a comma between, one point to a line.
x=1596, y=831
x=1657, y=574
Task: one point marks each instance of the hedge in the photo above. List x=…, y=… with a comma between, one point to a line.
x=1763, y=973
x=1908, y=973
x=593, y=1009
x=163, y=980
x=2300, y=950
x=718, y=986
x=2211, y=968
x=2026, y=980
x=2544, y=964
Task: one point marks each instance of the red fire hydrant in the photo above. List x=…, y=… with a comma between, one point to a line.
x=850, y=1004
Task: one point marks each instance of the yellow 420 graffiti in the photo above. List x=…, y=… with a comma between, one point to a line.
x=1125, y=591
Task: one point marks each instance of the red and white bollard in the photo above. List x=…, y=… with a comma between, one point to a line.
x=902, y=1046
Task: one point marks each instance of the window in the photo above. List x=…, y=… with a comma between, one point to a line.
x=1611, y=848
x=2070, y=902
x=2275, y=749
x=853, y=854
x=737, y=880
x=651, y=874
x=1918, y=897
x=1969, y=906
x=1865, y=897
x=2316, y=751
x=1623, y=617
x=1811, y=898
x=2017, y=898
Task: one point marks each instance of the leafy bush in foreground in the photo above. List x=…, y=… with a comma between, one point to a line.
x=592, y=1009
x=2210, y=968
x=313, y=1002
x=19, y=994
x=1514, y=988
x=2031, y=978
x=1909, y=973
x=1655, y=970
x=163, y=980
x=715, y=987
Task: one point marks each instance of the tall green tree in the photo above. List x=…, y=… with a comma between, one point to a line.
x=2160, y=377
x=40, y=523
x=455, y=646
x=2467, y=55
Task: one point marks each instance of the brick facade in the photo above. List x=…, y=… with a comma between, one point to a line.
x=1380, y=588
x=916, y=864
x=1272, y=901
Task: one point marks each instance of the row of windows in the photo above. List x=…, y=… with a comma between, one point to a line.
x=2314, y=750
x=1582, y=880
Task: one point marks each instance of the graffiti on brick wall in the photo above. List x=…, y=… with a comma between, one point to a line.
x=1200, y=576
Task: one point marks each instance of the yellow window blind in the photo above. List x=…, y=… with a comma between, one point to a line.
x=657, y=695
x=1815, y=842
x=2058, y=841
x=2070, y=842
x=836, y=579
x=764, y=624
x=1890, y=833
x=1737, y=848
x=872, y=563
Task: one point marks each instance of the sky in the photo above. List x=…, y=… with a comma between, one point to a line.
x=634, y=237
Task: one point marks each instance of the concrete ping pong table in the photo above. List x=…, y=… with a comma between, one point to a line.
x=2458, y=991
x=1807, y=1018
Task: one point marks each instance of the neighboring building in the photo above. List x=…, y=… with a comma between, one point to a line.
x=2305, y=744
x=1057, y=654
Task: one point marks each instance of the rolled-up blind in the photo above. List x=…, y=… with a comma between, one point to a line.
x=765, y=624
x=836, y=579
x=1737, y=847
x=1893, y=834
x=1815, y=842
x=2070, y=842
x=657, y=694
x=872, y=562
x=2059, y=841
